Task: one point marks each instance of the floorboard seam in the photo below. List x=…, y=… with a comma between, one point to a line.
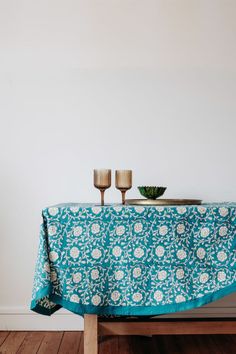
x=41, y=342
x=5, y=339
x=61, y=341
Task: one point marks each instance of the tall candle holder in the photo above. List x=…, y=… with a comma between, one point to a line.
x=123, y=182
x=102, y=181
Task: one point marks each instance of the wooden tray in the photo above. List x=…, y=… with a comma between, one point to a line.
x=163, y=202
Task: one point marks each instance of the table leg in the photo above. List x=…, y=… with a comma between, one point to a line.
x=90, y=334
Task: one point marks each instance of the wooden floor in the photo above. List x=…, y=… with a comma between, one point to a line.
x=72, y=342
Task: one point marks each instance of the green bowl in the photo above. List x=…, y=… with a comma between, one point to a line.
x=151, y=192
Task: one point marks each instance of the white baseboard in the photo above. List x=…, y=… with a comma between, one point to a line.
x=24, y=319
x=18, y=319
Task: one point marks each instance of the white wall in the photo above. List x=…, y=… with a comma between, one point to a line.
x=148, y=85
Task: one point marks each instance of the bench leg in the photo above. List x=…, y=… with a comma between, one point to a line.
x=90, y=334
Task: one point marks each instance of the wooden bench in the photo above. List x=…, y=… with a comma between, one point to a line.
x=95, y=327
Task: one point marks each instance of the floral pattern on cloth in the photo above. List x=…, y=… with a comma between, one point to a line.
x=134, y=260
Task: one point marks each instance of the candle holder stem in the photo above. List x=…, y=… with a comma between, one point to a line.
x=102, y=196
x=123, y=196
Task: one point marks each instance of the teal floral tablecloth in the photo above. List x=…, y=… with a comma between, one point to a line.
x=126, y=260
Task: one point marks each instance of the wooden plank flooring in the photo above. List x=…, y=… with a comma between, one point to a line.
x=72, y=343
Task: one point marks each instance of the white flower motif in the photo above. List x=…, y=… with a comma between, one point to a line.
x=222, y=256
x=52, y=230
x=180, y=228
x=138, y=227
x=53, y=256
x=160, y=251
x=74, y=252
x=180, y=273
x=160, y=209
x=115, y=295
x=204, y=277
x=199, y=295
x=96, y=299
x=179, y=298
x=94, y=274
x=205, y=231
x=77, y=277
x=223, y=231
x=181, y=254
x=223, y=211
x=163, y=230
x=158, y=295
x=117, y=208
x=119, y=274
x=77, y=231
x=74, y=298
x=201, y=210
x=95, y=228
x=96, y=210
x=201, y=253
x=46, y=267
x=53, y=276
x=74, y=209
x=137, y=272
x=96, y=253
x=139, y=209
x=120, y=230
x=137, y=297
x=162, y=274
x=221, y=276
x=138, y=252
x=117, y=251
x=181, y=210
x=53, y=211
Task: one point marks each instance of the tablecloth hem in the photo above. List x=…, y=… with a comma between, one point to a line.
x=125, y=310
